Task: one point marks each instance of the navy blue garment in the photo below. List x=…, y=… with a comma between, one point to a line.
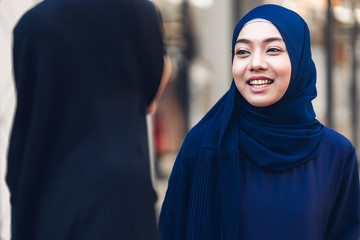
x=275, y=172
x=78, y=166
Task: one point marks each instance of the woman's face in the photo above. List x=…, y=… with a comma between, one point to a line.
x=261, y=65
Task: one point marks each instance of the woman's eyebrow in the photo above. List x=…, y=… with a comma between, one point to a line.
x=273, y=39
x=267, y=40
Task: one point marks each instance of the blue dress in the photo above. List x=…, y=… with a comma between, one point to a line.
x=227, y=196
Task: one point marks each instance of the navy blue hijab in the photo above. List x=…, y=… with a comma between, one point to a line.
x=285, y=134
x=78, y=166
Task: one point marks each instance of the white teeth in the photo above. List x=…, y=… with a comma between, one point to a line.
x=259, y=86
x=260, y=82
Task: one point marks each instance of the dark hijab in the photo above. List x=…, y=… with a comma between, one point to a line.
x=285, y=134
x=85, y=72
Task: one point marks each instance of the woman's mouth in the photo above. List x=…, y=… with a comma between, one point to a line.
x=260, y=83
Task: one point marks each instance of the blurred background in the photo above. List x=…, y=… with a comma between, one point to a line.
x=198, y=37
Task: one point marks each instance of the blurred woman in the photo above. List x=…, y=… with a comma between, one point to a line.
x=86, y=72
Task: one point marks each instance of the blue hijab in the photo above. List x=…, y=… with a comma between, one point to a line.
x=286, y=133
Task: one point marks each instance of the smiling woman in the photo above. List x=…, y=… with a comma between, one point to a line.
x=260, y=165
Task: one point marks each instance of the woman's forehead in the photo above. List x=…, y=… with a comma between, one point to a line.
x=258, y=30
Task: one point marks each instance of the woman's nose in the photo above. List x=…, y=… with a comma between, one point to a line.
x=258, y=62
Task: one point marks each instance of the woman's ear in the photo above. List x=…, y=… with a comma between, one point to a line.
x=164, y=81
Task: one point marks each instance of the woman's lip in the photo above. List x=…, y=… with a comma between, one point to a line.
x=259, y=89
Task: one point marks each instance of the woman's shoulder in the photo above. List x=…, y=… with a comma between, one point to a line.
x=337, y=144
x=189, y=152
x=206, y=133
x=194, y=140
x=335, y=139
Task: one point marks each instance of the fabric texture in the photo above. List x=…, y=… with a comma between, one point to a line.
x=78, y=165
x=238, y=152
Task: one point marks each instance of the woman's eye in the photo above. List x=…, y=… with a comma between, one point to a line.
x=274, y=50
x=242, y=52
